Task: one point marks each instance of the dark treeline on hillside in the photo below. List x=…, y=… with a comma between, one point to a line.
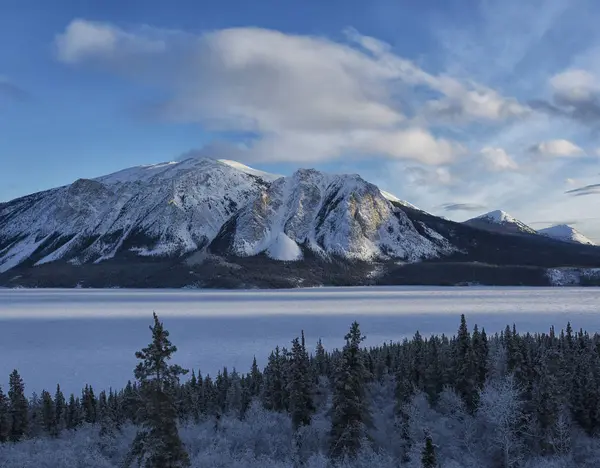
x=509, y=400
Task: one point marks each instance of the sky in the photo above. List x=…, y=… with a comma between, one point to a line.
x=457, y=106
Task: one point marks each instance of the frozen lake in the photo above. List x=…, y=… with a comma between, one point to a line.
x=74, y=337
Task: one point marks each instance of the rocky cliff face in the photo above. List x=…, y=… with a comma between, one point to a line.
x=339, y=215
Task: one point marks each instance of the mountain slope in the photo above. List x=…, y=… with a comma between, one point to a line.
x=163, y=209
x=500, y=221
x=566, y=233
x=339, y=215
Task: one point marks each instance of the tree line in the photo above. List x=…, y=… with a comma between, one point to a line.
x=533, y=389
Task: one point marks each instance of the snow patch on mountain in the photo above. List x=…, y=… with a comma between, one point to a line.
x=249, y=170
x=284, y=248
x=566, y=233
x=391, y=197
x=19, y=251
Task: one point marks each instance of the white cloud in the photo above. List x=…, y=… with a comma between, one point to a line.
x=498, y=159
x=85, y=39
x=557, y=148
x=574, y=86
x=305, y=98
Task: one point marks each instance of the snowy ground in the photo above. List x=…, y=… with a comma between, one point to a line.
x=75, y=337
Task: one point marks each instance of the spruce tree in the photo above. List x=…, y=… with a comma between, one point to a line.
x=274, y=391
x=90, y=405
x=465, y=367
x=320, y=359
x=158, y=444
x=19, y=408
x=60, y=406
x=300, y=386
x=428, y=459
x=4, y=417
x=255, y=379
x=350, y=411
x=74, y=413
x=49, y=422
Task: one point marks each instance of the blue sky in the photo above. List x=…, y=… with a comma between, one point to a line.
x=459, y=107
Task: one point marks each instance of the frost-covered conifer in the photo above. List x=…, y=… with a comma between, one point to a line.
x=350, y=407
x=157, y=444
x=18, y=407
x=300, y=386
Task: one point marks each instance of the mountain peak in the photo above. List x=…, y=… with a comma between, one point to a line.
x=498, y=216
x=501, y=221
x=340, y=215
x=566, y=233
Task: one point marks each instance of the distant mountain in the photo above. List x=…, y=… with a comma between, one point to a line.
x=500, y=221
x=566, y=233
x=218, y=223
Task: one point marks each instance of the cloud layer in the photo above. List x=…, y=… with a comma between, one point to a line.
x=497, y=124
x=593, y=189
x=303, y=98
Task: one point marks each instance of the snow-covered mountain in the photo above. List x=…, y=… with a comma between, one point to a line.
x=162, y=209
x=174, y=208
x=500, y=221
x=340, y=215
x=219, y=223
x=566, y=233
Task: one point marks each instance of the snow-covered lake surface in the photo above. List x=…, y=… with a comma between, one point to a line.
x=74, y=337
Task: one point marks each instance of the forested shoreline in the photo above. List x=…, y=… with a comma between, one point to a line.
x=471, y=400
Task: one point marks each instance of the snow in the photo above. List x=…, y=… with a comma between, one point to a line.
x=18, y=252
x=498, y=216
x=340, y=215
x=90, y=336
x=503, y=218
x=177, y=206
x=249, y=170
x=394, y=198
x=566, y=233
x=572, y=276
x=284, y=248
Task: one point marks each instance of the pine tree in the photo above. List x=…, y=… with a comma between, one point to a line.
x=35, y=424
x=465, y=367
x=300, y=386
x=234, y=393
x=158, y=444
x=60, y=406
x=350, y=411
x=428, y=459
x=89, y=404
x=19, y=408
x=4, y=417
x=74, y=413
x=49, y=422
x=274, y=391
x=320, y=359
x=255, y=379
x=480, y=353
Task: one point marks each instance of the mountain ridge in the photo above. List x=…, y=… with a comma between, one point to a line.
x=219, y=223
